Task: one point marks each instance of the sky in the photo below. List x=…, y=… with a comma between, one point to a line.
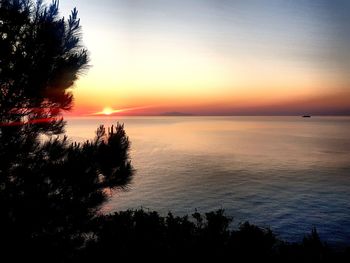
x=214, y=57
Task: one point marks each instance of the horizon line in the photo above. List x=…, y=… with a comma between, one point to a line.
x=208, y=115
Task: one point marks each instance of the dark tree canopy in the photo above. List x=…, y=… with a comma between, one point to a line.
x=50, y=188
x=41, y=57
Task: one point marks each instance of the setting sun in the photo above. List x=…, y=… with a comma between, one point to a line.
x=107, y=111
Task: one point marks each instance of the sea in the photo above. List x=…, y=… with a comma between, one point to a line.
x=286, y=173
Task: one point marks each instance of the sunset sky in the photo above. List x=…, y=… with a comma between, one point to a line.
x=211, y=57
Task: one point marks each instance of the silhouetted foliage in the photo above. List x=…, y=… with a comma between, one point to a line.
x=41, y=57
x=148, y=236
x=50, y=188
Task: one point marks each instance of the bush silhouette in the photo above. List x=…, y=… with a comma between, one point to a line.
x=146, y=235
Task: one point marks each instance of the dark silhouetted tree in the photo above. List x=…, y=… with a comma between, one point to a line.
x=50, y=189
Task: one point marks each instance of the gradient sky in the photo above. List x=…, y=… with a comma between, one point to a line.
x=214, y=57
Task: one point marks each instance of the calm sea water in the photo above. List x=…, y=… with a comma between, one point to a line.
x=288, y=173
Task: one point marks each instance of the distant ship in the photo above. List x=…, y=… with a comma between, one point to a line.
x=306, y=116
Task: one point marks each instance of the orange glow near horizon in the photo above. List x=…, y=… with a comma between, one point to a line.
x=107, y=111
x=195, y=80
x=211, y=68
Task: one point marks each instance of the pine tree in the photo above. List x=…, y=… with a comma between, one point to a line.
x=50, y=188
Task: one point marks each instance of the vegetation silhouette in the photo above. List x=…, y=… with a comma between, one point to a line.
x=50, y=189
x=146, y=235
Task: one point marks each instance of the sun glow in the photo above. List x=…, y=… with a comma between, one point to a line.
x=111, y=111
x=107, y=111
